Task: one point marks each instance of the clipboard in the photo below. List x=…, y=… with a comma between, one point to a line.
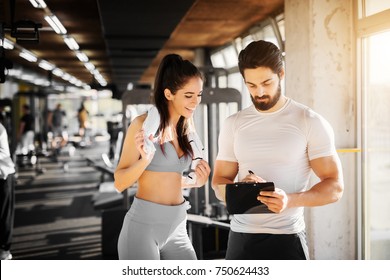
x=241, y=198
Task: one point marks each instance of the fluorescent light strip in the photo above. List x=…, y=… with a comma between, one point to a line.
x=38, y=4
x=56, y=24
x=82, y=56
x=34, y=3
x=27, y=77
x=41, y=82
x=28, y=56
x=46, y=65
x=72, y=44
x=89, y=66
x=79, y=83
x=58, y=72
x=73, y=80
x=7, y=44
x=14, y=72
x=66, y=77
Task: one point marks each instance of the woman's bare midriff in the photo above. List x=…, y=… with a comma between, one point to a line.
x=160, y=187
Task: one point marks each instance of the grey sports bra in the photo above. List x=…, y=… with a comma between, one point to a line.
x=168, y=162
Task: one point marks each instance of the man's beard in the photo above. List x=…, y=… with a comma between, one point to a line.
x=266, y=102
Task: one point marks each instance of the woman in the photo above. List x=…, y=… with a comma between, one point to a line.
x=82, y=117
x=155, y=225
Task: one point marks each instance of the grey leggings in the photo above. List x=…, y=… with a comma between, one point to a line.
x=152, y=231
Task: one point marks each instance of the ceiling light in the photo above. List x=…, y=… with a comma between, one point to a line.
x=41, y=82
x=14, y=72
x=103, y=83
x=72, y=44
x=59, y=88
x=66, y=77
x=130, y=86
x=89, y=66
x=28, y=56
x=7, y=44
x=78, y=83
x=38, y=3
x=27, y=77
x=58, y=72
x=82, y=57
x=46, y=65
x=56, y=24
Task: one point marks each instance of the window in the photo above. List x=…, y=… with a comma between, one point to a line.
x=375, y=6
x=377, y=144
x=217, y=60
x=374, y=41
x=230, y=55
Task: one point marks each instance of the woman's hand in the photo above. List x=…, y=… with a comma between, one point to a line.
x=140, y=143
x=202, y=172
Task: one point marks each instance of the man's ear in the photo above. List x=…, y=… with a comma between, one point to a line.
x=281, y=74
x=168, y=94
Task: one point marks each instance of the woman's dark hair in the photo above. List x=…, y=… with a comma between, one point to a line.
x=173, y=73
x=260, y=54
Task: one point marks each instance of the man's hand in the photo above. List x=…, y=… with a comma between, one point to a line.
x=276, y=201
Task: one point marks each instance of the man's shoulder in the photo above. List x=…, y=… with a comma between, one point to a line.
x=243, y=112
x=302, y=108
x=238, y=115
x=310, y=117
x=299, y=106
x=236, y=119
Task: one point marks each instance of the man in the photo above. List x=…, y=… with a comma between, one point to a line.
x=278, y=140
x=7, y=197
x=60, y=136
x=26, y=131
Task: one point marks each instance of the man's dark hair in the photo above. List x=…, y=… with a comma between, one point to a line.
x=260, y=54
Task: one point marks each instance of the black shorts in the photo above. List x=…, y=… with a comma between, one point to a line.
x=263, y=246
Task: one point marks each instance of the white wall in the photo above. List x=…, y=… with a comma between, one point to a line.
x=320, y=74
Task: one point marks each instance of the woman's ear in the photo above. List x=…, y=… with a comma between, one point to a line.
x=168, y=94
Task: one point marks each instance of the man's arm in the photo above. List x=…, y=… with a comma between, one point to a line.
x=328, y=190
x=224, y=173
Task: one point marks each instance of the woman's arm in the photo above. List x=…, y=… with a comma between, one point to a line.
x=133, y=160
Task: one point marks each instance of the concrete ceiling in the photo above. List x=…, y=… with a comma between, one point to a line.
x=126, y=39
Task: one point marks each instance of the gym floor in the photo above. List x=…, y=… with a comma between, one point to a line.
x=54, y=214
